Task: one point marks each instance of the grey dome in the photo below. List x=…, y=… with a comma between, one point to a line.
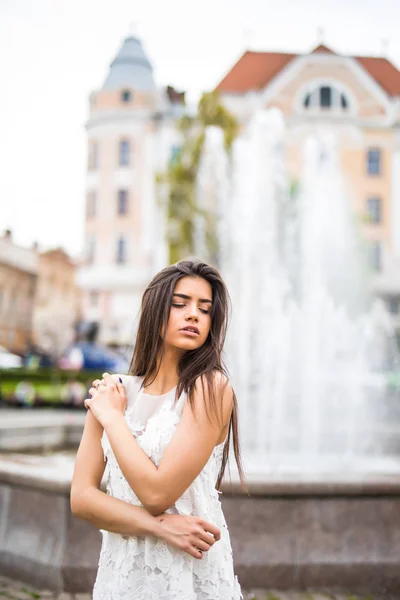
x=130, y=68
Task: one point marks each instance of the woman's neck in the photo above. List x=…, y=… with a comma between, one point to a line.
x=167, y=373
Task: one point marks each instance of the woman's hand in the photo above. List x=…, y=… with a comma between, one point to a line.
x=108, y=399
x=193, y=535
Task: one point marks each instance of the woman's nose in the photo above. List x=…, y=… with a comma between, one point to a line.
x=193, y=313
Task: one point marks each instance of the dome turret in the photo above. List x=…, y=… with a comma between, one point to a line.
x=130, y=68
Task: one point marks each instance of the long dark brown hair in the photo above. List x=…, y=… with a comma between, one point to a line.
x=204, y=362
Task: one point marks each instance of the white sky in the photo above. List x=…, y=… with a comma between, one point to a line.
x=53, y=53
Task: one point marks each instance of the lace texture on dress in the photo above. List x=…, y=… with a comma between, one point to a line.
x=146, y=568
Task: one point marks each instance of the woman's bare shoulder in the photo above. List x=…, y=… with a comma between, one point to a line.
x=218, y=379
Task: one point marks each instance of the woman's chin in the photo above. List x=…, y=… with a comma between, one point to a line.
x=185, y=345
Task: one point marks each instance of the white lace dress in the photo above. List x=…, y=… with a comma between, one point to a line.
x=146, y=568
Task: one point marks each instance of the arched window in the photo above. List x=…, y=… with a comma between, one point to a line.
x=326, y=97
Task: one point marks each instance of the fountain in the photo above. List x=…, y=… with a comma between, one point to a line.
x=308, y=345
x=308, y=351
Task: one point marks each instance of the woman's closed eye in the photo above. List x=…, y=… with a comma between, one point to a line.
x=205, y=312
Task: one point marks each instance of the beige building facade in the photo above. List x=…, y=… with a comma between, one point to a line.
x=18, y=276
x=39, y=298
x=356, y=98
x=131, y=134
x=57, y=301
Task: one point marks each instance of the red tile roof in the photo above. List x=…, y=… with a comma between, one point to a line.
x=321, y=49
x=384, y=72
x=254, y=70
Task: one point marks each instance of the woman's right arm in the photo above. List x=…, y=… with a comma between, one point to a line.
x=88, y=502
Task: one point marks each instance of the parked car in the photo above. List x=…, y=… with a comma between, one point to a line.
x=92, y=356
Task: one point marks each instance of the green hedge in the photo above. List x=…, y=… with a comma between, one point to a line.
x=48, y=383
x=46, y=375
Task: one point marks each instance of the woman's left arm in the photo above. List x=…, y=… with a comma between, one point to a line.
x=185, y=456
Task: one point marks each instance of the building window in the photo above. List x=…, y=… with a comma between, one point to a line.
x=121, y=250
x=93, y=158
x=374, y=161
x=91, y=202
x=122, y=202
x=124, y=152
x=326, y=97
x=376, y=256
x=126, y=96
x=374, y=209
x=393, y=305
x=90, y=249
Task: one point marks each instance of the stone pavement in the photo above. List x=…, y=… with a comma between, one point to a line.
x=14, y=590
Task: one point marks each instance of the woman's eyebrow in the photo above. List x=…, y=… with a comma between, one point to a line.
x=189, y=298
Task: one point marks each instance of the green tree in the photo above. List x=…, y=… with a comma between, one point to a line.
x=181, y=175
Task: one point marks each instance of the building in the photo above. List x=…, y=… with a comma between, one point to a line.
x=57, y=301
x=359, y=98
x=18, y=276
x=131, y=136
x=39, y=299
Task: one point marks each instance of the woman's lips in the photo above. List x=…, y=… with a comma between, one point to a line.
x=189, y=333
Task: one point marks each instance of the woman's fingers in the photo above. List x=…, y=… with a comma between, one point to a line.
x=213, y=529
x=188, y=533
x=198, y=543
x=120, y=387
x=108, y=380
x=115, y=380
x=207, y=538
x=86, y=403
x=95, y=385
x=194, y=552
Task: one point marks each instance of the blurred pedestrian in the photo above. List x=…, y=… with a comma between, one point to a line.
x=25, y=394
x=73, y=393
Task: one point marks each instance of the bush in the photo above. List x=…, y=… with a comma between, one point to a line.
x=45, y=387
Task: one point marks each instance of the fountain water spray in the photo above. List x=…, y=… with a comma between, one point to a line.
x=308, y=346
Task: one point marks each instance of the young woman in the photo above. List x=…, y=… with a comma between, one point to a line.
x=165, y=432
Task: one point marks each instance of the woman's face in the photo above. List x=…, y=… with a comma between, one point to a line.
x=190, y=315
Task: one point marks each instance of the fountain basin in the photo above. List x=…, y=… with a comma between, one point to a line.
x=333, y=533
